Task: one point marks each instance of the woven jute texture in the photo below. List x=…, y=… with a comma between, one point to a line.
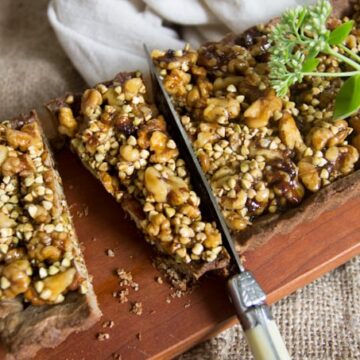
x=321, y=321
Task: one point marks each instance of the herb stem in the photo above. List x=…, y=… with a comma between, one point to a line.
x=350, y=52
x=328, y=50
x=329, y=74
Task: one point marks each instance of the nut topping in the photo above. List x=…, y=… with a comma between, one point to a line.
x=259, y=112
x=36, y=251
x=155, y=185
x=261, y=154
x=139, y=164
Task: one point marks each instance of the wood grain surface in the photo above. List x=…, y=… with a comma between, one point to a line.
x=165, y=330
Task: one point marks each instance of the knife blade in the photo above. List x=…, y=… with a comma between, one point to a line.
x=245, y=293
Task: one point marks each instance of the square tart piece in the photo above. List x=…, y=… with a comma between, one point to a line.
x=45, y=290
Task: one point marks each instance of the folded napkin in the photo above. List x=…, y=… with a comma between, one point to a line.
x=104, y=37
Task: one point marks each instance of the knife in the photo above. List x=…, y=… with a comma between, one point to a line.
x=245, y=293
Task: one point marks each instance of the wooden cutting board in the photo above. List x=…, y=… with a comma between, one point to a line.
x=164, y=329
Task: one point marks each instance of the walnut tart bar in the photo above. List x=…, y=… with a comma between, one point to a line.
x=45, y=290
x=122, y=139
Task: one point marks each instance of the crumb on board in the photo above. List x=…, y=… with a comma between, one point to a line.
x=127, y=282
x=136, y=308
x=123, y=296
x=82, y=246
x=83, y=211
x=176, y=293
x=178, y=281
x=159, y=280
x=168, y=300
x=152, y=312
x=110, y=253
x=125, y=277
x=187, y=305
x=135, y=286
x=102, y=336
x=80, y=210
x=94, y=238
x=116, y=356
x=108, y=324
x=138, y=335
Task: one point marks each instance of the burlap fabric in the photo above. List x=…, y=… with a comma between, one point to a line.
x=321, y=321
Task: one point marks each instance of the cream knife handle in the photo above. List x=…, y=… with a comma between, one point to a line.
x=264, y=338
x=262, y=334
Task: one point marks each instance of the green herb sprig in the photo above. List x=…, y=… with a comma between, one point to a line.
x=297, y=40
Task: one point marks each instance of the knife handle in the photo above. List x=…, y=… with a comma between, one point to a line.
x=261, y=331
x=264, y=339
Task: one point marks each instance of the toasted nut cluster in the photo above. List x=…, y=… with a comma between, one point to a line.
x=124, y=142
x=261, y=154
x=36, y=249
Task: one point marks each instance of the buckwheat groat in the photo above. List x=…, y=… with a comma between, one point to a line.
x=262, y=155
x=45, y=292
x=123, y=141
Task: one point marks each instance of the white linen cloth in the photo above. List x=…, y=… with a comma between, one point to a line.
x=103, y=37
